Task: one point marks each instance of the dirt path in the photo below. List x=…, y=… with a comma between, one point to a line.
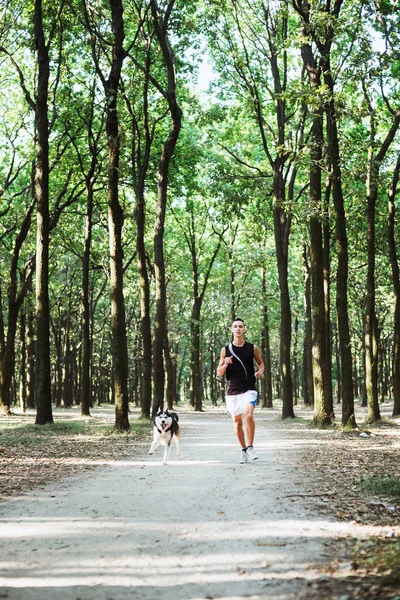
x=202, y=527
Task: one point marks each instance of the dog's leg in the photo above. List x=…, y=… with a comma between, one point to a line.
x=178, y=447
x=166, y=452
x=154, y=446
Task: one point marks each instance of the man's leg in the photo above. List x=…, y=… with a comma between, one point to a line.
x=250, y=424
x=238, y=426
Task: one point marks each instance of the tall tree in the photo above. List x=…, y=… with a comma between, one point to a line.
x=161, y=22
x=137, y=95
x=90, y=163
x=371, y=324
x=319, y=354
x=15, y=300
x=111, y=83
x=323, y=38
x=255, y=38
x=308, y=386
x=42, y=365
x=396, y=286
x=198, y=242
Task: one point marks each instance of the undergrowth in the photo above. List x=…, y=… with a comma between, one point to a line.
x=16, y=432
x=380, y=557
x=381, y=485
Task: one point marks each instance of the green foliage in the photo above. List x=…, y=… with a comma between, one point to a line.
x=221, y=180
x=13, y=432
x=380, y=556
x=382, y=485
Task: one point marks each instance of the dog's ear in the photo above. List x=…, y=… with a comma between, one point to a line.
x=159, y=411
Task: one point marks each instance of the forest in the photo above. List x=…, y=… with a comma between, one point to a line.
x=168, y=165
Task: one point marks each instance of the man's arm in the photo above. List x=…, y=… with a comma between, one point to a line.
x=224, y=362
x=259, y=362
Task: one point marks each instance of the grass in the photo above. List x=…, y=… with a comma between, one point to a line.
x=381, y=485
x=15, y=431
x=380, y=557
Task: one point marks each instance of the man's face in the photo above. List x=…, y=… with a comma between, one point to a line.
x=238, y=328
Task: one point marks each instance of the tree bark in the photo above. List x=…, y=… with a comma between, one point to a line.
x=281, y=230
x=396, y=287
x=142, y=139
x=161, y=30
x=86, y=387
x=22, y=361
x=346, y=387
x=30, y=349
x=170, y=393
x=266, y=382
x=42, y=366
x=145, y=322
x=308, y=387
x=319, y=355
x=371, y=324
x=196, y=380
x=115, y=223
x=115, y=212
x=15, y=300
x=326, y=232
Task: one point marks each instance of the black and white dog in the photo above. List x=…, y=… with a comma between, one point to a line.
x=166, y=429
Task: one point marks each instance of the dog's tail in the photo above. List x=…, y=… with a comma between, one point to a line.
x=174, y=415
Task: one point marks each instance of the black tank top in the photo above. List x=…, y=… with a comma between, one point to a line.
x=238, y=383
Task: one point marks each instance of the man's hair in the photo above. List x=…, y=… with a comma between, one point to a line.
x=237, y=319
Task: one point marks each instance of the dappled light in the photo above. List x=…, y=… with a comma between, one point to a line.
x=202, y=523
x=199, y=300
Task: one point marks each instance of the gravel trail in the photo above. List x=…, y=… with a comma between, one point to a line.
x=201, y=527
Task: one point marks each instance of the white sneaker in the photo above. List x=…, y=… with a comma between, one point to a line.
x=251, y=453
x=243, y=457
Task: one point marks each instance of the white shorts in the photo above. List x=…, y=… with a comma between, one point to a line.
x=235, y=404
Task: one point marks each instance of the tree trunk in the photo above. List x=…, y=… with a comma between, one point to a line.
x=15, y=300
x=371, y=341
x=232, y=281
x=111, y=85
x=266, y=382
x=319, y=354
x=161, y=299
x=145, y=323
x=58, y=367
x=140, y=158
x=308, y=386
x=347, y=393
x=42, y=366
x=22, y=361
x=170, y=394
x=324, y=44
x=161, y=27
x=322, y=413
x=396, y=286
x=8, y=363
x=327, y=300
x=30, y=349
x=66, y=400
x=338, y=369
x=115, y=224
x=196, y=381
x=295, y=361
x=86, y=388
x=281, y=229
